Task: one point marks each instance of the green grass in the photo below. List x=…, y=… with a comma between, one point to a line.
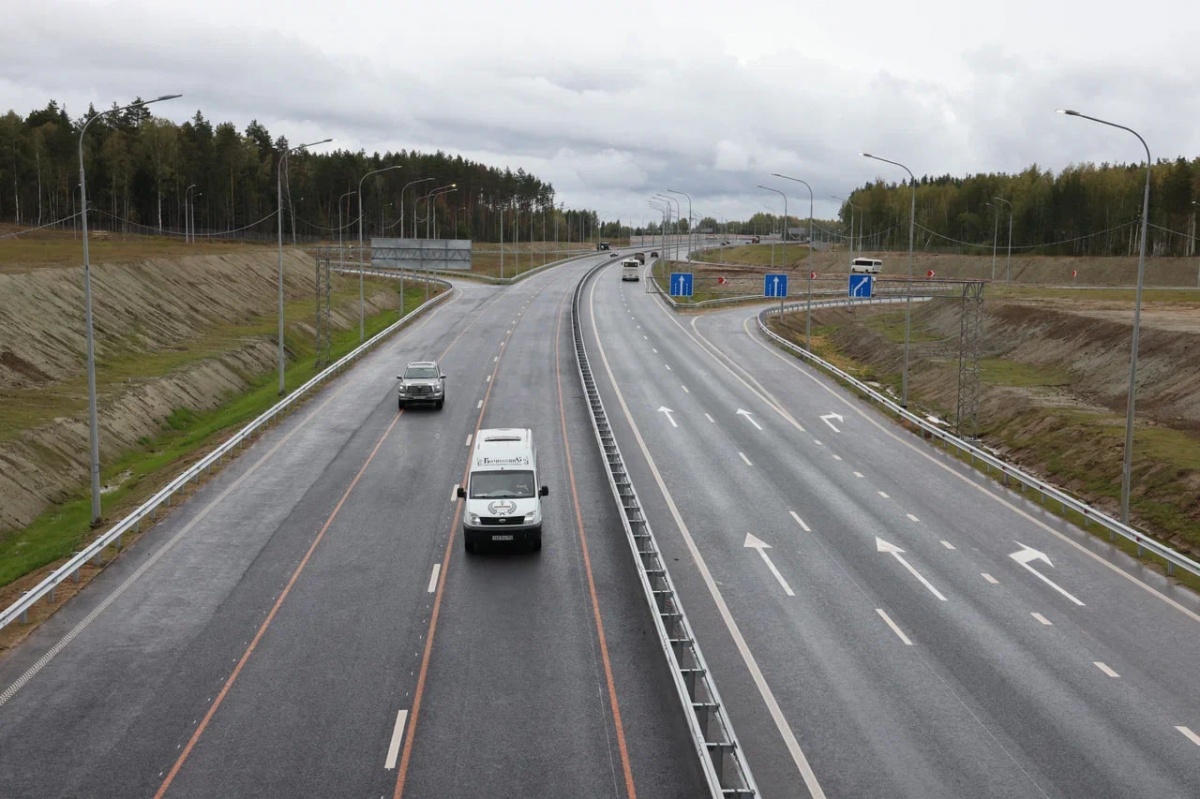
x=890, y=325
x=58, y=248
x=1003, y=372
x=786, y=256
x=184, y=438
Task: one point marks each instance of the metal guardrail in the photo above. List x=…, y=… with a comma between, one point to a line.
x=133, y=522
x=717, y=747
x=1007, y=470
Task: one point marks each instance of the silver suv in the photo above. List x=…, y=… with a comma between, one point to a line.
x=422, y=381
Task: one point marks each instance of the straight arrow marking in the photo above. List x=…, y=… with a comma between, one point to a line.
x=668, y=412
x=762, y=547
x=894, y=551
x=1027, y=554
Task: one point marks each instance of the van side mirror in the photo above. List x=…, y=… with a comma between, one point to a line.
x=544, y=491
x=462, y=493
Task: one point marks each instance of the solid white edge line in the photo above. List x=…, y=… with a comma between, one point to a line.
x=437, y=569
x=800, y=521
x=895, y=629
x=1105, y=669
x=1042, y=619
x=990, y=578
x=747, y=460
x=1193, y=737
x=739, y=640
x=397, y=737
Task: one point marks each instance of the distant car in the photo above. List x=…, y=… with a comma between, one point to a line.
x=602, y=245
x=614, y=254
x=654, y=254
x=754, y=240
x=422, y=381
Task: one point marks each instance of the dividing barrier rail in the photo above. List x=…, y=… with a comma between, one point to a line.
x=133, y=522
x=1066, y=501
x=720, y=754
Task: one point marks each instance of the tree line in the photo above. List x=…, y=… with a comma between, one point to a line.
x=147, y=174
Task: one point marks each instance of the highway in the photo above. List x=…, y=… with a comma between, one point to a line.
x=881, y=620
x=308, y=623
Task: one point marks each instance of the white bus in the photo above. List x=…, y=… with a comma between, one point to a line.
x=630, y=269
x=869, y=265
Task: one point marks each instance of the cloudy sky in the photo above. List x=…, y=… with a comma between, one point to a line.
x=614, y=101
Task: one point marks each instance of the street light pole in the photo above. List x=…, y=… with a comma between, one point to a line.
x=783, y=239
x=852, y=209
x=1008, y=258
x=93, y=415
x=810, y=205
x=362, y=261
x=279, y=215
x=995, y=234
x=912, y=227
x=402, y=190
x=187, y=224
x=1127, y=466
x=689, y=198
x=678, y=212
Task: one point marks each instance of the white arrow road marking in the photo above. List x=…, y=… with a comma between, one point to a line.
x=668, y=412
x=1193, y=737
x=895, y=629
x=894, y=551
x=397, y=736
x=829, y=416
x=1027, y=554
x=749, y=417
x=762, y=547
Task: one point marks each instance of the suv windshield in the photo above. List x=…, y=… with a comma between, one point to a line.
x=497, y=485
x=421, y=373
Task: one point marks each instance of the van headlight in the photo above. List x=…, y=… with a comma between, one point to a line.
x=472, y=518
x=530, y=517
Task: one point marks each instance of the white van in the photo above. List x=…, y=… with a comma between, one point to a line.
x=504, y=503
x=630, y=269
x=869, y=265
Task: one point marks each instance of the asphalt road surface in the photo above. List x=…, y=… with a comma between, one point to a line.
x=308, y=623
x=880, y=620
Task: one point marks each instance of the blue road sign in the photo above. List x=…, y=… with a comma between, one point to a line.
x=861, y=285
x=681, y=284
x=775, y=285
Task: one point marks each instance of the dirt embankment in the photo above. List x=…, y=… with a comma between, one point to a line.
x=169, y=334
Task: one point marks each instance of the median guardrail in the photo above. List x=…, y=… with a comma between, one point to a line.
x=1066, y=502
x=720, y=754
x=149, y=510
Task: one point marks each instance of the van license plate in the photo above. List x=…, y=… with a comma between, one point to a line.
x=502, y=538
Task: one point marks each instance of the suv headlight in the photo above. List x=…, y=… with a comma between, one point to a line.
x=401, y=388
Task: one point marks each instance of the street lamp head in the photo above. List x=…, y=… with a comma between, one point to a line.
x=164, y=97
x=1068, y=112
x=866, y=155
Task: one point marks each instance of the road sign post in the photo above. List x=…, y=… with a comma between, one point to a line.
x=808, y=315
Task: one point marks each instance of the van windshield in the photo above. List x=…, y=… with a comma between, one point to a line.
x=498, y=485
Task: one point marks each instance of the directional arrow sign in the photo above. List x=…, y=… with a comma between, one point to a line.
x=668, y=412
x=681, y=284
x=775, y=285
x=861, y=285
x=1026, y=554
x=893, y=550
x=749, y=417
x=829, y=417
x=762, y=547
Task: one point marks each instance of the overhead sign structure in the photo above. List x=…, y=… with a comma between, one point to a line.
x=861, y=286
x=681, y=284
x=775, y=285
